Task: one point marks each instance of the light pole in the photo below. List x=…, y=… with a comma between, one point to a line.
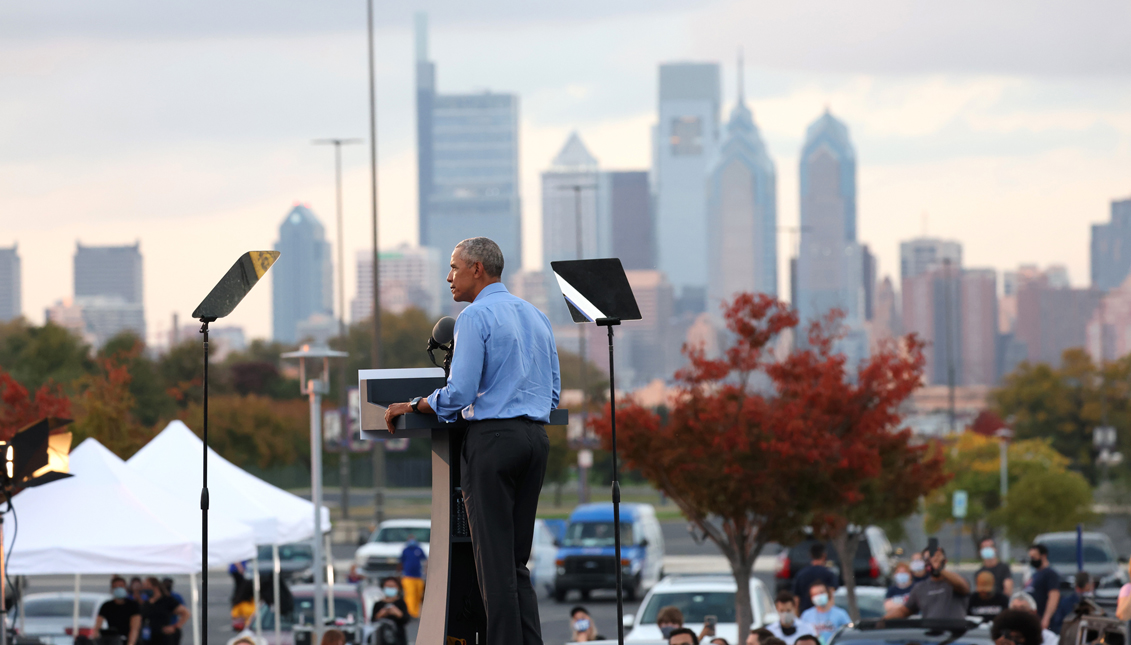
x=375, y=358
x=583, y=460
x=1004, y=435
x=343, y=398
x=315, y=388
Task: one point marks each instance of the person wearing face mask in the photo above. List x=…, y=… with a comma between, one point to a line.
x=824, y=615
x=391, y=607
x=1044, y=584
x=162, y=614
x=918, y=569
x=985, y=601
x=901, y=586
x=789, y=627
x=582, y=626
x=942, y=595
x=122, y=615
x=1003, y=577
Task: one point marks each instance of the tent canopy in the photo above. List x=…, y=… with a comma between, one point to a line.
x=275, y=516
x=109, y=519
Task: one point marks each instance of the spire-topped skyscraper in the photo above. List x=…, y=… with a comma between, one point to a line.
x=741, y=210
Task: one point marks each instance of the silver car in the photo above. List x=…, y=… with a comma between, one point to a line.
x=50, y=616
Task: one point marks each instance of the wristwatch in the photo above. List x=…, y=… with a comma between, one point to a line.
x=415, y=403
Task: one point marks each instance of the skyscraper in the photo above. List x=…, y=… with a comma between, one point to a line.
x=573, y=187
x=831, y=264
x=920, y=255
x=742, y=216
x=302, y=280
x=685, y=140
x=11, y=305
x=1111, y=248
x=467, y=163
x=978, y=330
x=108, y=290
x=408, y=279
x=634, y=233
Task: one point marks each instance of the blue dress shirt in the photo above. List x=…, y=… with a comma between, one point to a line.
x=505, y=362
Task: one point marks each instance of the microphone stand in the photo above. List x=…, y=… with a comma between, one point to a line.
x=433, y=346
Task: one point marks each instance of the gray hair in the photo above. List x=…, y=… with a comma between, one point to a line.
x=484, y=251
x=1026, y=598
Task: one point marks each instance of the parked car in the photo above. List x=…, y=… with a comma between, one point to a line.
x=918, y=631
x=586, y=560
x=352, y=604
x=543, y=553
x=381, y=556
x=697, y=597
x=51, y=616
x=295, y=560
x=873, y=562
x=869, y=600
x=1100, y=560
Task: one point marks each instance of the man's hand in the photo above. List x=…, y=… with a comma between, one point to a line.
x=393, y=411
x=168, y=629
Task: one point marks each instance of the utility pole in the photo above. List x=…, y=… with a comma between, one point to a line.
x=343, y=394
x=375, y=359
x=582, y=331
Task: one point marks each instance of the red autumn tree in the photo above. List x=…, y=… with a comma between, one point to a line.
x=757, y=448
x=18, y=408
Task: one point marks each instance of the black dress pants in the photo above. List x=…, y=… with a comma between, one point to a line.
x=502, y=468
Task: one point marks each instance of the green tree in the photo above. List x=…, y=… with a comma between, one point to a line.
x=974, y=463
x=254, y=430
x=36, y=356
x=152, y=401
x=559, y=459
x=1043, y=502
x=104, y=410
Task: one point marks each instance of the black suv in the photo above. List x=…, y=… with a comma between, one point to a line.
x=916, y=631
x=869, y=571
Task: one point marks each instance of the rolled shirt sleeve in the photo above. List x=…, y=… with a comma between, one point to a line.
x=467, y=369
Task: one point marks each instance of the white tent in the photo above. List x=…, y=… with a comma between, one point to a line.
x=172, y=459
x=109, y=519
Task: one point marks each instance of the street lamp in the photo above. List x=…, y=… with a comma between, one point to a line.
x=315, y=388
x=344, y=452
x=1004, y=435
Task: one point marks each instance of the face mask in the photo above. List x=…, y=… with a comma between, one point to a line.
x=989, y=553
x=120, y=593
x=666, y=630
x=917, y=566
x=582, y=625
x=787, y=618
x=821, y=599
x=391, y=592
x=902, y=579
x=1035, y=563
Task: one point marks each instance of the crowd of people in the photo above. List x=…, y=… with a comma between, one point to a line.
x=141, y=612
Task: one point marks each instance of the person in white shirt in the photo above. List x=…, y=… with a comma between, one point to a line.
x=789, y=627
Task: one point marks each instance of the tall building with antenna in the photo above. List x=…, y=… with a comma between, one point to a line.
x=467, y=163
x=741, y=211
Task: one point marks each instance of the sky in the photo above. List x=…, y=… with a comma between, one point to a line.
x=189, y=126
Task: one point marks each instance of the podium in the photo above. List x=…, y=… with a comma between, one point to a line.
x=452, y=612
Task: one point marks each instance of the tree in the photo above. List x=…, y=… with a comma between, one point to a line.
x=152, y=401
x=36, y=356
x=1045, y=501
x=104, y=409
x=254, y=430
x=558, y=460
x=974, y=463
x=18, y=408
x=755, y=448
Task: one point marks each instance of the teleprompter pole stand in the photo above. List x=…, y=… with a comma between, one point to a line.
x=204, y=498
x=597, y=291
x=220, y=301
x=610, y=323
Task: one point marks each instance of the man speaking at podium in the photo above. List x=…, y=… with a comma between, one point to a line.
x=504, y=381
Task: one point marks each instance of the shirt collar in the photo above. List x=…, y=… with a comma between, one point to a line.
x=494, y=287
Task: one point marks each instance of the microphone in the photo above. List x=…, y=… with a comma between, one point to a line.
x=443, y=333
x=443, y=337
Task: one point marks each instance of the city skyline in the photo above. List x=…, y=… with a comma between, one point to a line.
x=1035, y=138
